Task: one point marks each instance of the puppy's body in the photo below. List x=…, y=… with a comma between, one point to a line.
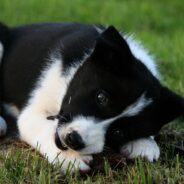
x=36, y=50
x=91, y=79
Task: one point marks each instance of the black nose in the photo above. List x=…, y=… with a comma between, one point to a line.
x=74, y=141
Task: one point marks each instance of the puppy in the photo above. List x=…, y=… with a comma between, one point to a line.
x=76, y=88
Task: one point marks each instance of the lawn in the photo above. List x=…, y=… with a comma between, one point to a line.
x=159, y=25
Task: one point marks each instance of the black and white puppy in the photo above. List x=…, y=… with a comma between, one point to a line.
x=76, y=88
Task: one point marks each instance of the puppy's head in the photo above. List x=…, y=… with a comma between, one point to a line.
x=113, y=98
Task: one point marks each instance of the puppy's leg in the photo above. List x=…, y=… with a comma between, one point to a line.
x=39, y=132
x=144, y=147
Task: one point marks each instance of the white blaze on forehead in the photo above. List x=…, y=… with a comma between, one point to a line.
x=132, y=110
x=136, y=107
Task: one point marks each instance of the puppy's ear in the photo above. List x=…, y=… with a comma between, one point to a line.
x=112, y=48
x=169, y=107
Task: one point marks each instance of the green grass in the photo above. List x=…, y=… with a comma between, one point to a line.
x=159, y=25
x=24, y=165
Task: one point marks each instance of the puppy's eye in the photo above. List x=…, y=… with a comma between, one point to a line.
x=102, y=98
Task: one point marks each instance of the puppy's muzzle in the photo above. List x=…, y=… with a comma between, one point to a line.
x=74, y=140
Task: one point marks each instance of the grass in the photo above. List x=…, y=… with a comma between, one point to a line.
x=159, y=25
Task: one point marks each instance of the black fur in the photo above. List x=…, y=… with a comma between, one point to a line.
x=22, y=65
x=165, y=109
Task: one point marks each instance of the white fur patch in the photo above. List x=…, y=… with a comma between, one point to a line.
x=132, y=110
x=51, y=87
x=139, y=52
x=45, y=100
x=142, y=54
x=136, y=107
x=50, y=90
x=91, y=131
x=3, y=127
x=144, y=147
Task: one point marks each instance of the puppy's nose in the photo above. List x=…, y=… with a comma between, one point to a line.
x=74, y=141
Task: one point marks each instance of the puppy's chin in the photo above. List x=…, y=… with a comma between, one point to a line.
x=59, y=143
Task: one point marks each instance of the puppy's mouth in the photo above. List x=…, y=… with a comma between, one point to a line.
x=59, y=142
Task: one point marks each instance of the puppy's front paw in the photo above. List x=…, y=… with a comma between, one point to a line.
x=145, y=148
x=72, y=161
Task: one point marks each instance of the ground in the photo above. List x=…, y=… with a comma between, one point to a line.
x=159, y=25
